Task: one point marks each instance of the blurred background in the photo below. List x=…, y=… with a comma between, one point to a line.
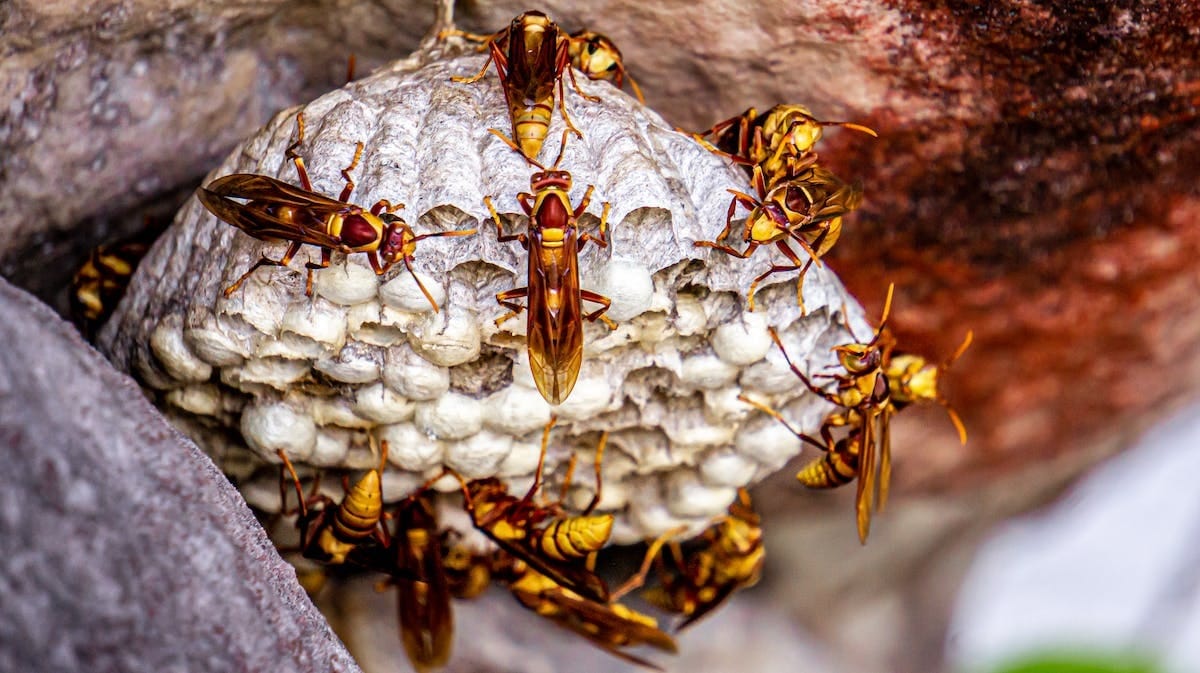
x=1035, y=180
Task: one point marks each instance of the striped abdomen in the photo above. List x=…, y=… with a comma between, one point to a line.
x=575, y=537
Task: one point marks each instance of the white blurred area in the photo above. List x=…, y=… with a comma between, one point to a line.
x=1114, y=566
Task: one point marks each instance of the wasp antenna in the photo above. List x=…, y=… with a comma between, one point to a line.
x=851, y=125
x=887, y=309
x=966, y=343
x=561, y=148
x=955, y=419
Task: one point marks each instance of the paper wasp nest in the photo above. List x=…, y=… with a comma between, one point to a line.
x=270, y=368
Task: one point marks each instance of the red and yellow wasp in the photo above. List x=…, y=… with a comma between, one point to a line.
x=806, y=210
x=275, y=210
x=530, y=57
x=780, y=140
x=554, y=328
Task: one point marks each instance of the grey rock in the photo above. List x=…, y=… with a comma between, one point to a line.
x=122, y=547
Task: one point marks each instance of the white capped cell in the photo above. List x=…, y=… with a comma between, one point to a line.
x=381, y=404
x=448, y=339
x=727, y=468
x=409, y=448
x=706, y=371
x=277, y=373
x=627, y=283
x=742, y=342
x=202, y=399
x=346, y=284
x=355, y=363
x=270, y=426
x=480, y=455
x=591, y=396
x=399, y=484
x=316, y=320
x=767, y=441
x=336, y=411
x=522, y=459
x=177, y=360
x=215, y=346
x=402, y=293
x=690, y=317
x=722, y=406
x=516, y=411
x=689, y=498
x=333, y=444
x=413, y=376
x=451, y=416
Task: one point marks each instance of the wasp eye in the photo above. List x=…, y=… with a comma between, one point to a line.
x=612, y=66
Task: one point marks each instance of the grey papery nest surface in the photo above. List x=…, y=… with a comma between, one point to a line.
x=270, y=368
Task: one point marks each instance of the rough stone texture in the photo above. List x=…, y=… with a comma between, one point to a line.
x=122, y=547
x=1035, y=180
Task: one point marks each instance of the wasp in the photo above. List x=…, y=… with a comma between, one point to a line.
x=347, y=532
x=554, y=327
x=806, y=210
x=423, y=589
x=610, y=626
x=780, y=140
x=530, y=57
x=564, y=549
x=102, y=279
x=912, y=379
x=598, y=57
x=275, y=210
x=729, y=557
x=863, y=393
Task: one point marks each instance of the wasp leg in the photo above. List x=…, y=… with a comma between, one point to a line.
x=796, y=370
x=598, y=314
x=780, y=268
x=600, y=239
x=500, y=235
x=564, y=63
x=293, y=248
x=496, y=56
x=349, y=188
x=295, y=157
x=599, y=480
x=383, y=205
x=483, y=40
x=326, y=256
x=505, y=299
x=537, y=476
x=639, y=578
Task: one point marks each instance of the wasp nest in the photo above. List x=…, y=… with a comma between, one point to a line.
x=270, y=368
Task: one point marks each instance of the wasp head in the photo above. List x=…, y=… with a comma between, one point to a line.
x=859, y=358
x=397, y=240
x=550, y=180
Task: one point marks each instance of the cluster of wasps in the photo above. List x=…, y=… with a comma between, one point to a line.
x=544, y=555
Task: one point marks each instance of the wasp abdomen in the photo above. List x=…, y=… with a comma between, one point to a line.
x=361, y=509
x=575, y=537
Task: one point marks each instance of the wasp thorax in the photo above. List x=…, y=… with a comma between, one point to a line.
x=419, y=359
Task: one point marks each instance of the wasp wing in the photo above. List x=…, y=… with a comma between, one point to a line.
x=426, y=618
x=573, y=576
x=273, y=209
x=554, y=331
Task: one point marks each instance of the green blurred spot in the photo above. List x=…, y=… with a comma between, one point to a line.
x=1080, y=662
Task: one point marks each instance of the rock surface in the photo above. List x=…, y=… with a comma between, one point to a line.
x=122, y=547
